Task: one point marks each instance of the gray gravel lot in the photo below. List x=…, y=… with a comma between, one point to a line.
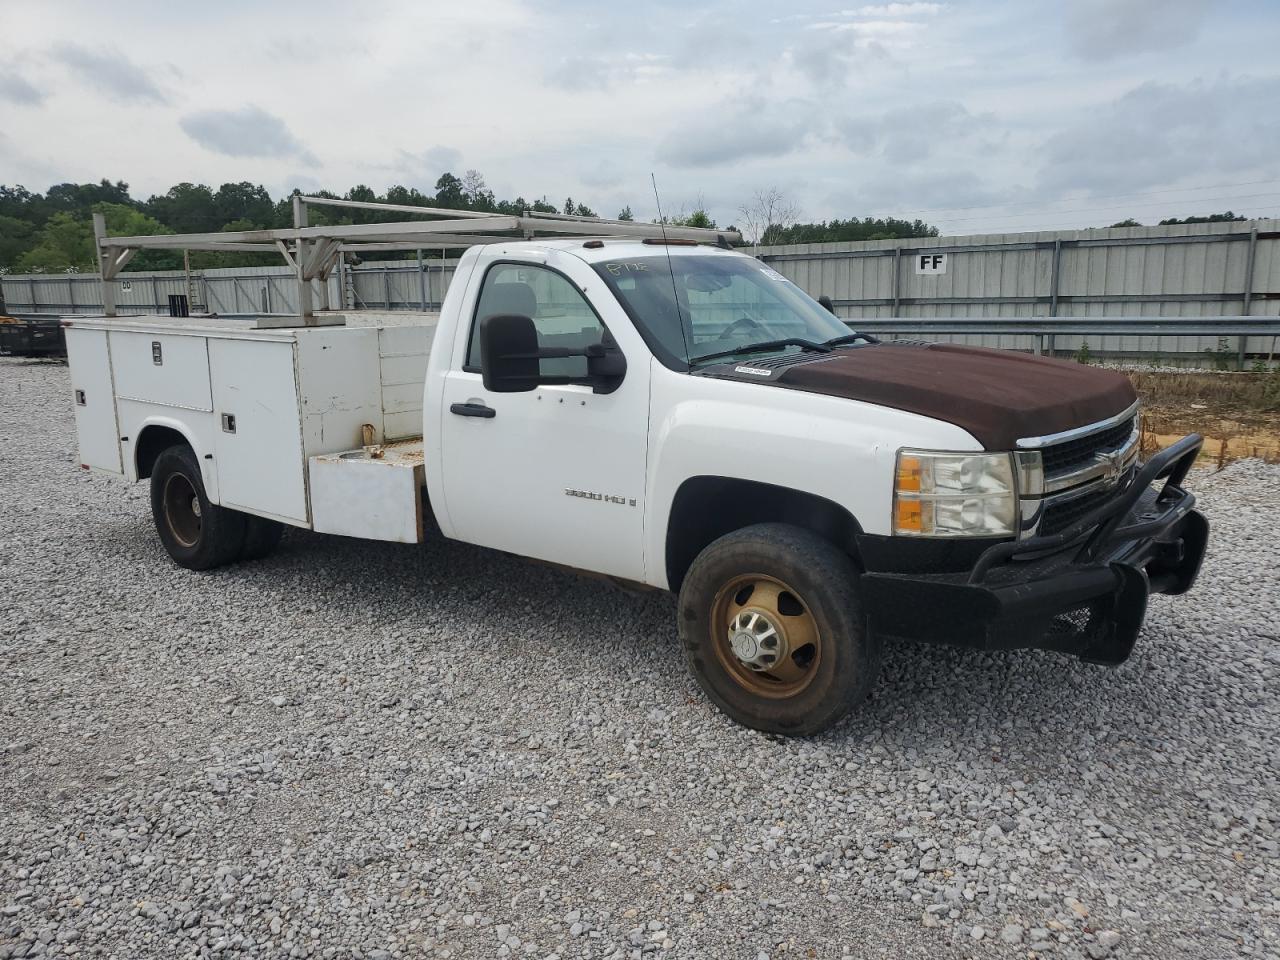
x=372, y=751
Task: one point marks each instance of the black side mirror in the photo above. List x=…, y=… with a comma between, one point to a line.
x=508, y=354
x=825, y=301
x=606, y=366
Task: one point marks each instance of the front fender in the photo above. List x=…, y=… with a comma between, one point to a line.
x=837, y=449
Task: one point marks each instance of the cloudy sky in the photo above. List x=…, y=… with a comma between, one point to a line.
x=977, y=115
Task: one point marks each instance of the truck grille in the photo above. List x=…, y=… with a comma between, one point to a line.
x=1070, y=454
x=1060, y=515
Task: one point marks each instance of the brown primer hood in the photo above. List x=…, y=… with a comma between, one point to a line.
x=996, y=395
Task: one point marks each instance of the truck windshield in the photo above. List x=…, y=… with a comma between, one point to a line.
x=716, y=305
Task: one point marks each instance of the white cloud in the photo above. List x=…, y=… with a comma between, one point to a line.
x=575, y=72
x=903, y=103
x=895, y=10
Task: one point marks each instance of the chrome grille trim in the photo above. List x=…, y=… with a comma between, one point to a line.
x=1041, y=492
x=1036, y=443
x=1107, y=463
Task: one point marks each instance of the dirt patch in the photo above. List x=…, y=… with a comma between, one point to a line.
x=1238, y=414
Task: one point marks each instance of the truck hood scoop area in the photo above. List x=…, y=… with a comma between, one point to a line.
x=764, y=369
x=998, y=396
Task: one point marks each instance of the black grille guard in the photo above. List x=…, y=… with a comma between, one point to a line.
x=1109, y=524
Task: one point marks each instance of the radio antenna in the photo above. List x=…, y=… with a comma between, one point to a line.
x=675, y=295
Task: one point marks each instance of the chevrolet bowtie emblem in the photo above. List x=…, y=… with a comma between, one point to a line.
x=1111, y=465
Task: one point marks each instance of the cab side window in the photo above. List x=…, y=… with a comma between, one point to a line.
x=560, y=314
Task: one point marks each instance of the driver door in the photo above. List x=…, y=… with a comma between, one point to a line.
x=556, y=473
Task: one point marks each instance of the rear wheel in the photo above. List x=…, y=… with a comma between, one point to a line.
x=197, y=534
x=773, y=630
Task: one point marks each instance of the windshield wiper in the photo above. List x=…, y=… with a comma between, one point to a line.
x=850, y=338
x=765, y=345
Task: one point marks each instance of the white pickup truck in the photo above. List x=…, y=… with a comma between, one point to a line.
x=678, y=416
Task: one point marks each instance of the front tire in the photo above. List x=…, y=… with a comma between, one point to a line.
x=197, y=534
x=773, y=630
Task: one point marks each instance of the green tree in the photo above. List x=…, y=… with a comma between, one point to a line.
x=31, y=237
x=626, y=214
x=408, y=196
x=868, y=228
x=65, y=242
x=78, y=198
x=126, y=221
x=449, y=192
x=242, y=201
x=185, y=208
x=16, y=237
x=62, y=243
x=698, y=218
x=1226, y=217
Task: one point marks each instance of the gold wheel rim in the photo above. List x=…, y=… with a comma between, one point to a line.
x=765, y=636
x=182, y=510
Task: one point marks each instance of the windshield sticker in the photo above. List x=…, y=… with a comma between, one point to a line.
x=773, y=274
x=753, y=371
x=621, y=269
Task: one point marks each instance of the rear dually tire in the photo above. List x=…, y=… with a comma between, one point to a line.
x=197, y=534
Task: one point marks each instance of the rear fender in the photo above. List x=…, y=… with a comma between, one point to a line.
x=136, y=440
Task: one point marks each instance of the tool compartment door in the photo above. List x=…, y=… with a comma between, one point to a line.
x=258, y=428
x=95, y=404
x=164, y=368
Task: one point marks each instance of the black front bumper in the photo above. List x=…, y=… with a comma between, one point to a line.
x=1081, y=591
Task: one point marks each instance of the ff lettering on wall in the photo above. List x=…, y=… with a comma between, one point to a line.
x=931, y=264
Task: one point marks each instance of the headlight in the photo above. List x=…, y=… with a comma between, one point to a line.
x=954, y=495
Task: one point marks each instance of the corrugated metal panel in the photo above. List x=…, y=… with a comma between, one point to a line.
x=224, y=289
x=1139, y=271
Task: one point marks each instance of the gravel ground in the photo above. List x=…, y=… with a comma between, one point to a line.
x=372, y=751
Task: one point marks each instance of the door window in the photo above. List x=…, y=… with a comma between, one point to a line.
x=560, y=313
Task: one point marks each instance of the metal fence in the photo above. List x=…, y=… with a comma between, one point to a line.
x=1182, y=271
x=381, y=285
x=1187, y=270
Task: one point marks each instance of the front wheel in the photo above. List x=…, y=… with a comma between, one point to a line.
x=773, y=630
x=197, y=534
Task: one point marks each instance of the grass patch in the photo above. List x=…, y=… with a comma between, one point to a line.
x=1251, y=392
